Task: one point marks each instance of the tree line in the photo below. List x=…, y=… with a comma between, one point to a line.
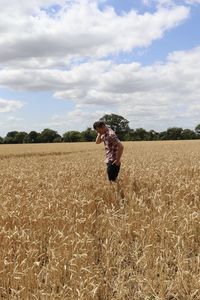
x=118, y=123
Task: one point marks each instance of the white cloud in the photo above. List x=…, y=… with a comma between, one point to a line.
x=103, y=82
x=66, y=52
x=152, y=96
x=32, y=38
x=9, y=105
x=77, y=119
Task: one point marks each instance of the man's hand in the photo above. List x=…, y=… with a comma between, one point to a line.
x=98, y=139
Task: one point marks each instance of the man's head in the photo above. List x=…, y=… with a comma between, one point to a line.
x=100, y=127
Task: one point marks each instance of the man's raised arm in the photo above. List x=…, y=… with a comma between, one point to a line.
x=98, y=139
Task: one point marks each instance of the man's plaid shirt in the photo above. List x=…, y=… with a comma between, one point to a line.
x=111, y=141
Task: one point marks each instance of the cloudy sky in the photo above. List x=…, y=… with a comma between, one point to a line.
x=65, y=63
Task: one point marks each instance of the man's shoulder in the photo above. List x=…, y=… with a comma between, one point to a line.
x=113, y=136
x=111, y=132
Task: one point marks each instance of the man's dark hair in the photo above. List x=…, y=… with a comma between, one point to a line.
x=99, y=124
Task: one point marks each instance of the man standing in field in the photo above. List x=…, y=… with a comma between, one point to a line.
x=113, y=148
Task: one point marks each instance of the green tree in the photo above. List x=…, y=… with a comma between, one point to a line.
x=20, y=137
x=197, y=129
x=162, y=135
x=39, y=138
x=152, y=135
x=174, y=133
x=12, y=134
x=58, y=140
x=10, y=137
x=32, y=137
x=1, y=140
x=88, y=135
x=118, y=123
x=72, y=136
x=141, y=134
x=48, y=136
x=188, y=134
x=138, y=134
x=129, y=135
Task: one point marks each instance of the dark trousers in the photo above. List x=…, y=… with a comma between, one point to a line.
x=112, y=171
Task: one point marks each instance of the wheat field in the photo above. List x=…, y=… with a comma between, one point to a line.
x=66, y=233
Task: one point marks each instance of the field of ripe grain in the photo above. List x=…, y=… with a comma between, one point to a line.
x=66, y=234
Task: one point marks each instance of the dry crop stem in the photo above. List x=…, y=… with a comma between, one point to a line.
x=65, y=235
